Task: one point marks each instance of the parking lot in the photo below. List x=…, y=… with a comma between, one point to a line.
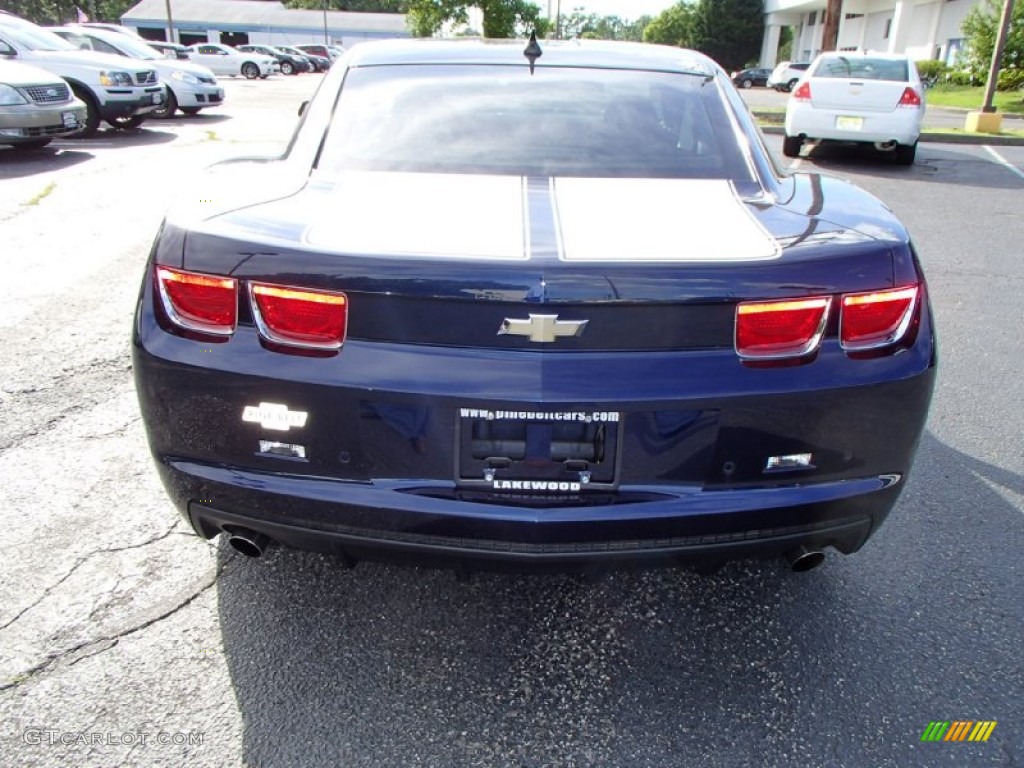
x=125, y=640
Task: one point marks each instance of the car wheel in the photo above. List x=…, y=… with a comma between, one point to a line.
x=92, y=113
x=904, y=154
x=190, y=110
x=34, y=144
x=287, y=68
x=250, y=70
x=126, y=123
x=791, y=146
x=791, y=84
x=168, y=108
x=747, y=83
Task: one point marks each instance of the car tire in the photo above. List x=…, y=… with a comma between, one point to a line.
x=904, y=154
x=34, y=144
x=126, y=123
x=92, y=113
x=792, y=84
x=250, y=71
x=190, y=111
x=287, y=68
x=169, y=107
x=791, y=146
x=747, y=83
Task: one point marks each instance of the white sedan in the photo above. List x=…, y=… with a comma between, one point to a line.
x=225, y=60
x=868, y=98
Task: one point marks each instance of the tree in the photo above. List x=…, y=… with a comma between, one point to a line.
x=502, y=18
x=980, y=27
x=673, y=26
x=729, y=31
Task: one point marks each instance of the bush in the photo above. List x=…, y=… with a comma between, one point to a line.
x=1011, y=80
x=932, y=69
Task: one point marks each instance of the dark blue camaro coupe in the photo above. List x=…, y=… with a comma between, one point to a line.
x=541, y=307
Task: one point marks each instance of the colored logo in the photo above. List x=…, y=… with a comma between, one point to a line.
x=958, y=730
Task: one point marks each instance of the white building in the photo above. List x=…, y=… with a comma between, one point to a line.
x=237, y=22
x=923, y=29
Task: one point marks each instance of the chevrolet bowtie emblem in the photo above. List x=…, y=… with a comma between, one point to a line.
x=542, y=328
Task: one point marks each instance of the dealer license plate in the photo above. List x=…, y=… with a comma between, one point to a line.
x=849, y=123
x=70, y=121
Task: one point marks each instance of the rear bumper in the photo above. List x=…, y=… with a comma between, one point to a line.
x=671, y=528
x=901, y=125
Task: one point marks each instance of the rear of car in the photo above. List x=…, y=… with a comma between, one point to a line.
x=786, y=74
x=554, y=313
x=866, y=98
x=36, y=107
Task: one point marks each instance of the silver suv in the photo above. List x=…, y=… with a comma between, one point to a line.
x=786, y=75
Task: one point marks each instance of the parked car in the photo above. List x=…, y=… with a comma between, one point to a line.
x=329, y=52
x=121, y=91
x=190, y=87
x=748, y=78
x=320, y=63
x=225, y=60
x=36, y=107
x=865, y=98
x=118, y=28
x=607, y=329
x=290, y=63
x=169, y=50
x=786, y=75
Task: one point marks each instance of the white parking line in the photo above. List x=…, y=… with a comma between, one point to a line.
x=1004, y=162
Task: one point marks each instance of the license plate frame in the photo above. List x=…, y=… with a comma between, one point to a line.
x=849, y=123
x=70, y=119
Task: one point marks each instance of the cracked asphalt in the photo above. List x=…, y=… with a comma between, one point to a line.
x=125, y=640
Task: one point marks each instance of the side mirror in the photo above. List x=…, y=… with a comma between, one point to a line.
x=302, y=107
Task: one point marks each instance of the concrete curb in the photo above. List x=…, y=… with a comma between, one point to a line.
x=937, y=138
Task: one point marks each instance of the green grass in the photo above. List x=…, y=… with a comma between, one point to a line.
x=42, y=195
x=969, y=97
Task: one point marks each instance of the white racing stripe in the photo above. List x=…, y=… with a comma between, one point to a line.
x=657, y=220
x=1004, y=162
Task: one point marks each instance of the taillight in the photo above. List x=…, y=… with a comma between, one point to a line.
x=197, y=302
x=773, y=330
x=802, y=92
x=299, y=317
x=877, y=319
x=910, y=98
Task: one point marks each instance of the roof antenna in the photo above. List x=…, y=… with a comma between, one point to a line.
x=532, y=50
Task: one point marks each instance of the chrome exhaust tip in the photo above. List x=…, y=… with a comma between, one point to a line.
x=248, y=543
x=803, y=559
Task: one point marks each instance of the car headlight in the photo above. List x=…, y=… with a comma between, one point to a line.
x=9, y=97
x=119, y=79
x=185, y=77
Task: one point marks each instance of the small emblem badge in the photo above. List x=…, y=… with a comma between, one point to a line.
x=51, y=92
x=274, y=416
x=543, y=329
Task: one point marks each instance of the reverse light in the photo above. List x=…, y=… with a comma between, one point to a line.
x=876, y=319
x=196, y=302
x=299, y=317
x=802, y=92
x=774, y=330
x=910, y=98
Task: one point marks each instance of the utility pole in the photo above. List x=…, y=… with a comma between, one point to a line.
x=830, y=34
x=170, y=23
x=997, y=56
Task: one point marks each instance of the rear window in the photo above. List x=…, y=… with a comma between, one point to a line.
x=863, y=68
x=557, y=122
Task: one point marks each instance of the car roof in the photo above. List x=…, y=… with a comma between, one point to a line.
x=566, y=53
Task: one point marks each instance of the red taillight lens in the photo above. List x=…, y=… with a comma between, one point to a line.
x=802, y=92
x=197, y=302
x=772, y=330
x=299, y=317
x=872, y=320
x=910, y=98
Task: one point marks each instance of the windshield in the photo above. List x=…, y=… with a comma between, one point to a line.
x=557, y=122
x=134, y=48
x=35, y=39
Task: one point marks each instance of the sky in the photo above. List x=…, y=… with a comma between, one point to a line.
x=626, y=9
